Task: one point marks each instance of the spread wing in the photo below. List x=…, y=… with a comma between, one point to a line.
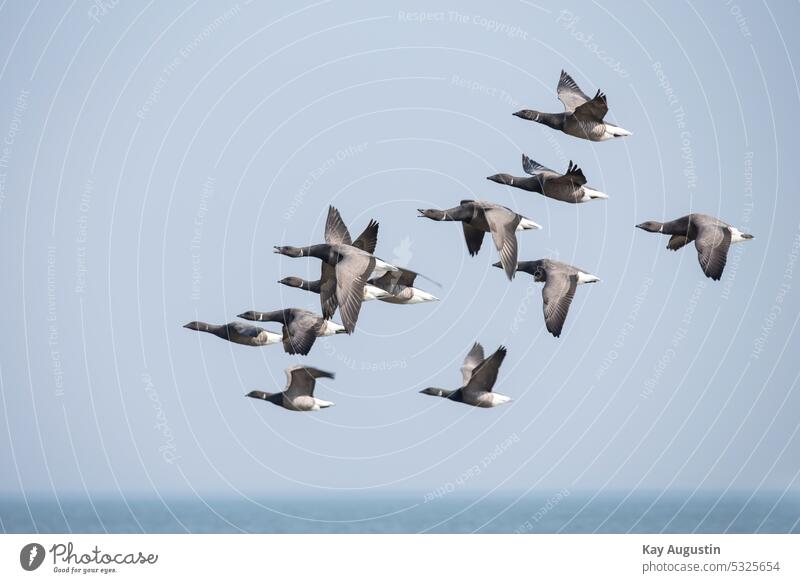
x=300, y=334
x=594, y=110
x=676, y=242
x=327, y=291
x=569, y=93
x=503, y=224
x=335, y=230
x=712, y=246
x=473, y=359
x=574, y=176
x=392, y=280
x=300, y=380
x=368, y=239
x=485, y=374
x=473, y=237
x=351, y=275
x=532, y=167
x=557, y=294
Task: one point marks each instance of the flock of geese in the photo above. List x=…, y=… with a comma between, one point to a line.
x=351, y=273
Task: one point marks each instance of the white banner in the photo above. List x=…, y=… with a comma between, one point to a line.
x=462, y=558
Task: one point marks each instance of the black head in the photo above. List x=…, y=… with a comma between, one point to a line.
x=260, y=395
x=199, y=326
x=434, y=392
x=650, y=226
x=500, y=265
x=528, y=114
x=250, y=315
x=502, y=179
x=289, y=251
x=292, y=281
x=433, y=214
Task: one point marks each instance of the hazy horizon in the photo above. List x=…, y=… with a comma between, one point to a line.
x=150, y=158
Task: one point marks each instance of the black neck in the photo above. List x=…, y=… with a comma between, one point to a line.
x=553, y=120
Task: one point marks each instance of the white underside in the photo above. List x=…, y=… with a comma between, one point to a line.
x=498, y=399
x=614, y=132
x=320, y=404
x=591, y=193
x=526, y=224
x=373, y=292
x=331, y=328
x=587, y=278
x=420, y=297
x=736, y=236
x=381, y=267
x=266, y=338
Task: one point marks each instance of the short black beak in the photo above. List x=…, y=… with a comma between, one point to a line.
x=517, y=114
x=277, y=249
x=421, y=213
x=186, y=325
x=640, y=226
x=747, y=236
x=498, y=264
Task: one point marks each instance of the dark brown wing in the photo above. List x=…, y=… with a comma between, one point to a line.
x=712, y=246
x=336, y=232
x=484, y=375
x=351, y=276
x=368, y=239
x=473, y=359
x=572, y=179
x=569, y=93
x=300, y=380
x=390, y=280
x=676, y=242
x=594, y=110
x=503, y=224
x=301, y=333
x=327, y=291
x=557, y=294
x=473, y=237
x=533, y=168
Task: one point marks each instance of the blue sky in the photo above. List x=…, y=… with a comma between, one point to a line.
x=153, y=155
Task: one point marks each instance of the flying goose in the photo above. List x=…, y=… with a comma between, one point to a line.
x=569, y=187
x=561, y=281
x=582, y=117
x=237, y=332
x=346, y=266
x=299, y=392
x=478, y=377
x=371, y=292
x=394, y=287
x=478, y=217
x=300, y=327
x=399, y=288
x=712, y=239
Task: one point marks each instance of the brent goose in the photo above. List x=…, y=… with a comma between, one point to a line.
x=300, y=327
x=568, y=187
x=712, y=239
x=582, y=117
x=371, y=292
x=237, y=332
x=346, y=267
x=561, y=281
x=478, y=377
x=299, y=392
x=478, y=217
x=399, y=288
